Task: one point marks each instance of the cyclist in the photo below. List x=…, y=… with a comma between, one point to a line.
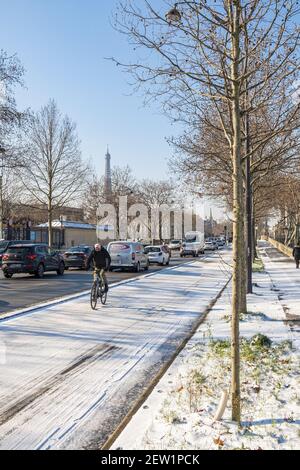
x=101, y=260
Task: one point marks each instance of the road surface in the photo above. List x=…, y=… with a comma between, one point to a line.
x=69, y=375
x=24, y=290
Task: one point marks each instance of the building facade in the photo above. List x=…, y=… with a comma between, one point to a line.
x=65, y=234
x=22, y=218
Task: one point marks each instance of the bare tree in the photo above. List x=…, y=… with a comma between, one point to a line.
x=93, y=196
x=205, y=54
x=285, y=203
x=53, y=172
x=123, y=184
x=11, y=73
x=202, y=159
x=154, y=195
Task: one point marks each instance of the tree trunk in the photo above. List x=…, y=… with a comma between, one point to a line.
x=244, y=252
x=160, y=226
x=297, y=227
x=244, y=271
x=254, y=235
x=1, y=207
x=238, y=270
x=249, y=203
x=238, y=225
x=50, y=218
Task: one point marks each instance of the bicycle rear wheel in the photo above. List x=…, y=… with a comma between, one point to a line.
x=103, y=295
x=94, y=295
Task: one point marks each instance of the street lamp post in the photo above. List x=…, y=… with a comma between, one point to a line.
x=2, y=152
x=28, y=230
x=61, y=231
x=249, y=202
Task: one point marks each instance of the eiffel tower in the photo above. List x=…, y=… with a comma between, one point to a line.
x=107, y=181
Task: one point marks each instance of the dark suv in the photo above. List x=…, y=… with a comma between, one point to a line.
x=31, y=259
x=5, y=244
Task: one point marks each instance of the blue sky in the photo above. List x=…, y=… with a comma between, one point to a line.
x=63, y=44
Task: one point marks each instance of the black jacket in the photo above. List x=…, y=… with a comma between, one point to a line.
x=296, y=252
x=100, y=259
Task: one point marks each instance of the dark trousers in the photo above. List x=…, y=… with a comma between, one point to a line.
x=99, y=272
x=297, y=262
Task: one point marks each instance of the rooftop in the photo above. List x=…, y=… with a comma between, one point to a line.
x=69, y=224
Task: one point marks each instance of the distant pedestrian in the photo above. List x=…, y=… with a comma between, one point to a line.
x=296, y=254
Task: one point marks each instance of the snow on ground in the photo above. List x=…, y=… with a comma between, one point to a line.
x=285, y=282
x=63, y=366
x=179, y=413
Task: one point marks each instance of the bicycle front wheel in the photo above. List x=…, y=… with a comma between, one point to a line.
x=94, y=295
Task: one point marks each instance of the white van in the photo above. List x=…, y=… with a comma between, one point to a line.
x=193, y=244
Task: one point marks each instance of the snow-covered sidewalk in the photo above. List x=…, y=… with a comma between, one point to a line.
x=285, y=282
x=179, y=413
x=68, y=374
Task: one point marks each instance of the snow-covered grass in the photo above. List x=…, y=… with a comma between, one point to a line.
x=269, y=396
x=258, y=266
x=179, y=414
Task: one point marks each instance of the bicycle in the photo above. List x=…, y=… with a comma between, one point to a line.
x=98, y=290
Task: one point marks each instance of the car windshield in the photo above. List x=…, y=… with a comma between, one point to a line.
x=77, y=249
x=152, y=249
x=175, y=241
x=19, y=250
x=190, y=239
x=116, y=247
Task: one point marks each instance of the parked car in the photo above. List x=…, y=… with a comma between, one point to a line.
x=4, y=244
x=31, y=259
x=128, y=255
x=193, y=244
x=158, y=254
x=215, y=243
x=209, y=246
x=220, y=242
x=77, y=257
x=175, y=244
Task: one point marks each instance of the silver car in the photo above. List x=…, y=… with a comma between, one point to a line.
x=175, y=244
x=209, y=246
x=128, y=255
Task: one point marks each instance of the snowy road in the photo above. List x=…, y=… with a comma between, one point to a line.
x=25, y=291
x=69, y=374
